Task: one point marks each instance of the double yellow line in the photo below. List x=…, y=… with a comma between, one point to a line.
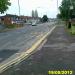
x=24, y=55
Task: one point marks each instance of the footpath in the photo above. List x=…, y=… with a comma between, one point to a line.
x=57, y=54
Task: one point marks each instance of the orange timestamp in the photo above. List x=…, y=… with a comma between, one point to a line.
x=63, y=72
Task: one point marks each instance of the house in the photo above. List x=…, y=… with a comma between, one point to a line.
x=10, y=19
x=27, y=19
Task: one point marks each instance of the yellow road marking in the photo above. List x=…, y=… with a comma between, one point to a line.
x=23, y=55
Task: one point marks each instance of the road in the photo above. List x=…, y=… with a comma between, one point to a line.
x=19, y=40
x=57, y=54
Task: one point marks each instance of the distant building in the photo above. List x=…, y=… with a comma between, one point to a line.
x=27, y=18
x=10, y=19
x=30, y=19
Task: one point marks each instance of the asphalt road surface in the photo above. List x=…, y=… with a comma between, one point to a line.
x=56, y=54
x=19, y=40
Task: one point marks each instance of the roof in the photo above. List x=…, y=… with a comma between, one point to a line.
x=26, y=17
x=8, y=15
x=11, y=15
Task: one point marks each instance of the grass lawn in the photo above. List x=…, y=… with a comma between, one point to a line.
x=11, y=27
x=73, y=29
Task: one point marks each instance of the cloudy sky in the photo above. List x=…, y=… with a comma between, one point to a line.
x=48, y=7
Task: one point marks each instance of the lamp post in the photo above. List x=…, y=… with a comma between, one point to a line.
x=57, y=11
x=57, y=6
x=19, y=7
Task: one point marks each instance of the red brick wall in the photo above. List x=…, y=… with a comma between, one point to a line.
x=7, y=20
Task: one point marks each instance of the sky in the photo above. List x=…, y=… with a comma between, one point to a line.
x=48, y=7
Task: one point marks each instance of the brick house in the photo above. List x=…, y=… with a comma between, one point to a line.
x=26, y=18
x=7, y=19
x=10, y=19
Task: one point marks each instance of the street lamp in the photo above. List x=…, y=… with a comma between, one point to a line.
x=57, y=6
x=19, y=7
x=57, y=10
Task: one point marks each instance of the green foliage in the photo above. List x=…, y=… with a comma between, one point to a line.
x=32, y=13
x=11, y=26
x=73, y=29
x=4, y=4
x=44, y=18
x=59, y=16
x=65, y=10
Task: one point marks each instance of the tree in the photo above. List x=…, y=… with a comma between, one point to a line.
x=65, y=11
x=4, y=4
x=36, y=13
x=44, y=18
x=33, y=14
x=59, y=16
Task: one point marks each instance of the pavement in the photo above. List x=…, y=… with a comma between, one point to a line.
x=2, y=27
x=57, y=52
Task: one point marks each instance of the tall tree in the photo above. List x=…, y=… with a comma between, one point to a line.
x=65, y=10
x=4, y=4
x=36, y=13
x=59, y=16
x=33, y=14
